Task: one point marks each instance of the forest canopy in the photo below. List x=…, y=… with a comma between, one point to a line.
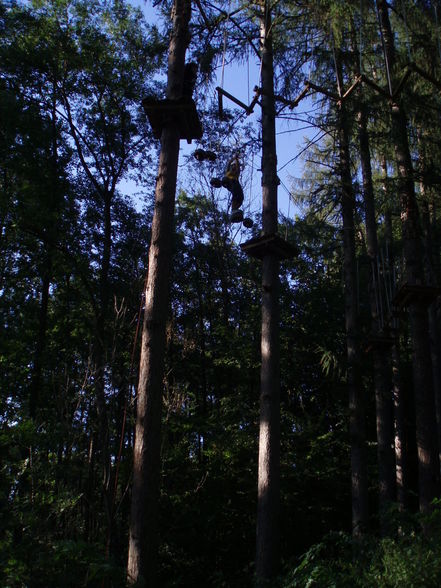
x=348, y=292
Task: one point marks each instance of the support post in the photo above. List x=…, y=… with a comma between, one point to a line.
x=268, y=499
x=143, y=533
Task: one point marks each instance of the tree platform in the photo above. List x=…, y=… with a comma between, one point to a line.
x=409, y=293
x=182, y=111
x=381, y=340
x=271, y=244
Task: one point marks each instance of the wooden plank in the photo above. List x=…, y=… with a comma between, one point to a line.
x=271, y=244
x=182, y=111
x=410, y=293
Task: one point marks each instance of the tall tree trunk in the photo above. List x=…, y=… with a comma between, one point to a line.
x=428, y=462
x=381, y=356
x=357, y=409
x=428, y=217
x=143, y=539
x=50, y=228
x=268, y=494
x=41, y=338
x=401, y=473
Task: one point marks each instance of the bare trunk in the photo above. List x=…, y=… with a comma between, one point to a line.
x=143, y=539
x=381, y=355
x=52, y=219
x=428, y=462
x=268, y=497
x=34, y=399
x=432, y=278
x=399, y=412
x=357, y=425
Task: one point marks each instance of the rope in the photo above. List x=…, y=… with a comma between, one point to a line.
x=386, y=60
x=225, y=46
x=339, y=88
x=251, y=180
x=437, y=32
x=123, y=425
x=403, y=8
x=360, y=42
x=287, y=216
x=248, y=75
x=311, y=59
x=223, y=60
x=231, y=126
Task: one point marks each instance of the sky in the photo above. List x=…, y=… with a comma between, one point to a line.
x=291, y=137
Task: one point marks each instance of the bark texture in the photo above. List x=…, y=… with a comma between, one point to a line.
x=399, y=409
x=381, y=354
x=268, y=507
x=428, y=462
x=357, y=417
x=143, y=534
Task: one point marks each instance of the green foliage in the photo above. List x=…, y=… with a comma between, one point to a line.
x=38, y=507
x=411, y=558
x=72, y=76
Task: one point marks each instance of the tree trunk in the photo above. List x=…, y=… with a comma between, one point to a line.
x=428, y=462
x=399, y=412
x=430, y=258
x=143, y=539
x=52, y=220
x=381, y=356
x=357, y=417
x=268, y=496
x=41, y=338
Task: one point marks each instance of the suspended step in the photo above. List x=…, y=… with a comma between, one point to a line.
x=397, y=312
x=273, y=244
x=236, y=216
x=182, y=111
x=381, y=340
x=410, y=293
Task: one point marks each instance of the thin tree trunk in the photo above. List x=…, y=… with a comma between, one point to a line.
x=428, y=462
x=47, y=270
x=401, y=470
x=143, y=539
x=268, y=496
x=357, y=417
x=41, y=339
x=381, y=356
x=435, y=339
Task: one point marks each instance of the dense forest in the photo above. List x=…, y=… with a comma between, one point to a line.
x=186, y=400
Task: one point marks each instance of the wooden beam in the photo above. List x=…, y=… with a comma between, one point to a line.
x=301, y=95
x=220, y=104
x=402, y=81
x=351, y=88
x=324, y=91
x=375, y=86
x=233, y=99
x=425, y=75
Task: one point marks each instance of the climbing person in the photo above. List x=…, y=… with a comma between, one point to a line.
x=230, y=181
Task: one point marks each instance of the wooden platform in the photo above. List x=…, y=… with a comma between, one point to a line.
x=182, y=112
x=273, y=244
x=381, y=340
x=409, y=293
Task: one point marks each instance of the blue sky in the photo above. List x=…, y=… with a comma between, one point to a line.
x=291, y=136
